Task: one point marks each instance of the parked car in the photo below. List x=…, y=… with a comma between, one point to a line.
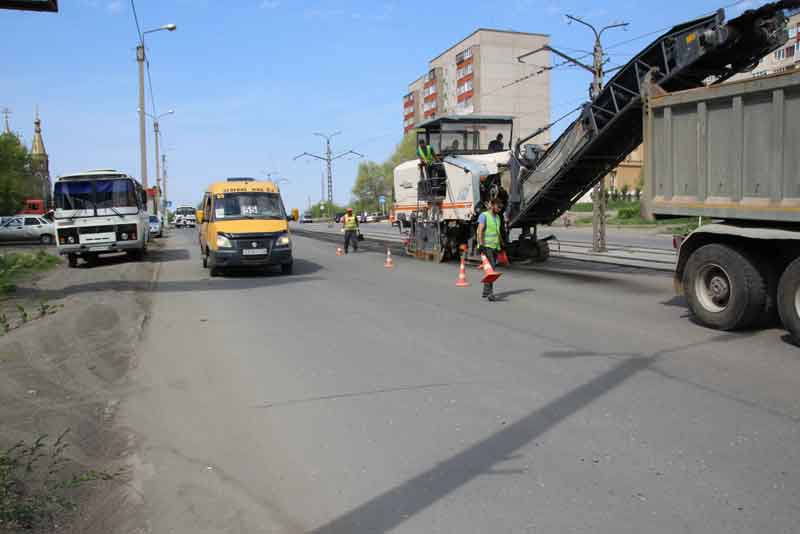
x=307, y=218
x=156, y=226
x=28, y=228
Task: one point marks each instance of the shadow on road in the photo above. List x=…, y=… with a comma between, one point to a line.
x=505, y=294
x=303, y=272
x=393, y=507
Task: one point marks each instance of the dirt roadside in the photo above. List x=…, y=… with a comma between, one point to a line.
x=63, y=366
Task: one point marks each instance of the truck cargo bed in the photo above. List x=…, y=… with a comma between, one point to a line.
x=726, y=152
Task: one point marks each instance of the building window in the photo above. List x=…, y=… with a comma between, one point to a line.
x=431, y=75
x=793, y=32
x=463, y=56
x=465, y=87
x=759, y=74
x=790, y=51
x=780, y=54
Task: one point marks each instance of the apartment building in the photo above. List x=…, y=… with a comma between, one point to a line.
x=785, y=58
x=481, y=75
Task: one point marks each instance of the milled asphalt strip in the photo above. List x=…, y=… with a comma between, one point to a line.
x=656, y=259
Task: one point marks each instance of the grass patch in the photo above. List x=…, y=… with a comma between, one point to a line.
x=17, y=266
x=35, y=482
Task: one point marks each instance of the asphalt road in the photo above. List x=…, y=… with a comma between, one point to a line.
x=347, y=398
x=633, y=237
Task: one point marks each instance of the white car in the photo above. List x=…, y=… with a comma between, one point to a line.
x=28, y=228
x=156, y=226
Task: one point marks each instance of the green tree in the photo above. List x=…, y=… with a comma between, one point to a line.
x=16, y=178
x=377, y=179
x=370, y=186
x=317, y=211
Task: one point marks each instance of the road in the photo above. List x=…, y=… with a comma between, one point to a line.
x=638, y=237
x=347, y=398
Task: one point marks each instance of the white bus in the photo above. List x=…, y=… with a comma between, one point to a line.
x=185, y=215
x=100, y=212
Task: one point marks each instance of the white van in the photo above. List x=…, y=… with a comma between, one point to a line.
x=100, y=212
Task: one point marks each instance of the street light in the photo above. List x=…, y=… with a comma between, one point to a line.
x=269, y=174
x=156, y=118
x=140, y=58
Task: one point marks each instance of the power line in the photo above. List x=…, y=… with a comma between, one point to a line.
x=136, y=19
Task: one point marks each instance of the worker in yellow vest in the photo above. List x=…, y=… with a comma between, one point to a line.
x=490, y=239
x=350, y=227
x=426, y=156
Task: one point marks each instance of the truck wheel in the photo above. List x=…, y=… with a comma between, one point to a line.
x=724, y=288
x=72, y=260
x=536, y=251
x=789, y=299
x=286, y=268
x=46, y=239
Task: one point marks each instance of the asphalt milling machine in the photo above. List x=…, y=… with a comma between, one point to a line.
x=537, y=184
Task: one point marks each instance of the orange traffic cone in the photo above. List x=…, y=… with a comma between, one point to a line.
x=502, y=258
x=339, y=251
x=462, y=275
x=389, y=263
x=490, y=274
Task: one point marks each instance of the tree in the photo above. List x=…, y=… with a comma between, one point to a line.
x=16, y=177
x=377, y=179
x=318, y=212
x=369, y=187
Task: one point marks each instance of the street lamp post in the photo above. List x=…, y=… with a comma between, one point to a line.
x=269, y=174
x=140, y=58
x=157, y=132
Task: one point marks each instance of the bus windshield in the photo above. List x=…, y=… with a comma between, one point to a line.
x=95, y=194
x=248, y=206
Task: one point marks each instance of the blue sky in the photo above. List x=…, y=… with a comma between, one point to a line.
x=250, y=80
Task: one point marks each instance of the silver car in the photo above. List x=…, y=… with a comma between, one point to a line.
x=27, y=228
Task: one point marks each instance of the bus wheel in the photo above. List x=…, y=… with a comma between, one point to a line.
x=72, y=260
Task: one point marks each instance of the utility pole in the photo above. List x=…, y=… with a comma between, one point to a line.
x=140, y=59
x=599, y=194
x=142, y=131
x=164, y=185
x=329, y=158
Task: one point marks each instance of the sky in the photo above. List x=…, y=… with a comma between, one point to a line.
x=250, y=81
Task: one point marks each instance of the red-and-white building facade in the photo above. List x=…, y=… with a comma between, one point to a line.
x=477, y=76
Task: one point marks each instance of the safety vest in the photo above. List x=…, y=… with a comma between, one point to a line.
x=350, y=222
x=491, y=231
x=425, y=155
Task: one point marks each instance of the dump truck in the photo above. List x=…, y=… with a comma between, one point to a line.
x=728, y=154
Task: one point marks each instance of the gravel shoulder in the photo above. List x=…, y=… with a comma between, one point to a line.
x=64, y=365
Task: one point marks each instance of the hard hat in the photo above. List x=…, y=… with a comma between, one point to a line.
x=349, y=209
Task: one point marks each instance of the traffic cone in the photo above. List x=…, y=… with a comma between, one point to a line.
x=389, y=263
x=339, y=251
x=502, y=258
x=462, y=275
x=490, y=274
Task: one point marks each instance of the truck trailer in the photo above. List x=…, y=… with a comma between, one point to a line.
x=728, y=154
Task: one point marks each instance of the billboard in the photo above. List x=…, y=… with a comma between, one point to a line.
x=30, y=5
